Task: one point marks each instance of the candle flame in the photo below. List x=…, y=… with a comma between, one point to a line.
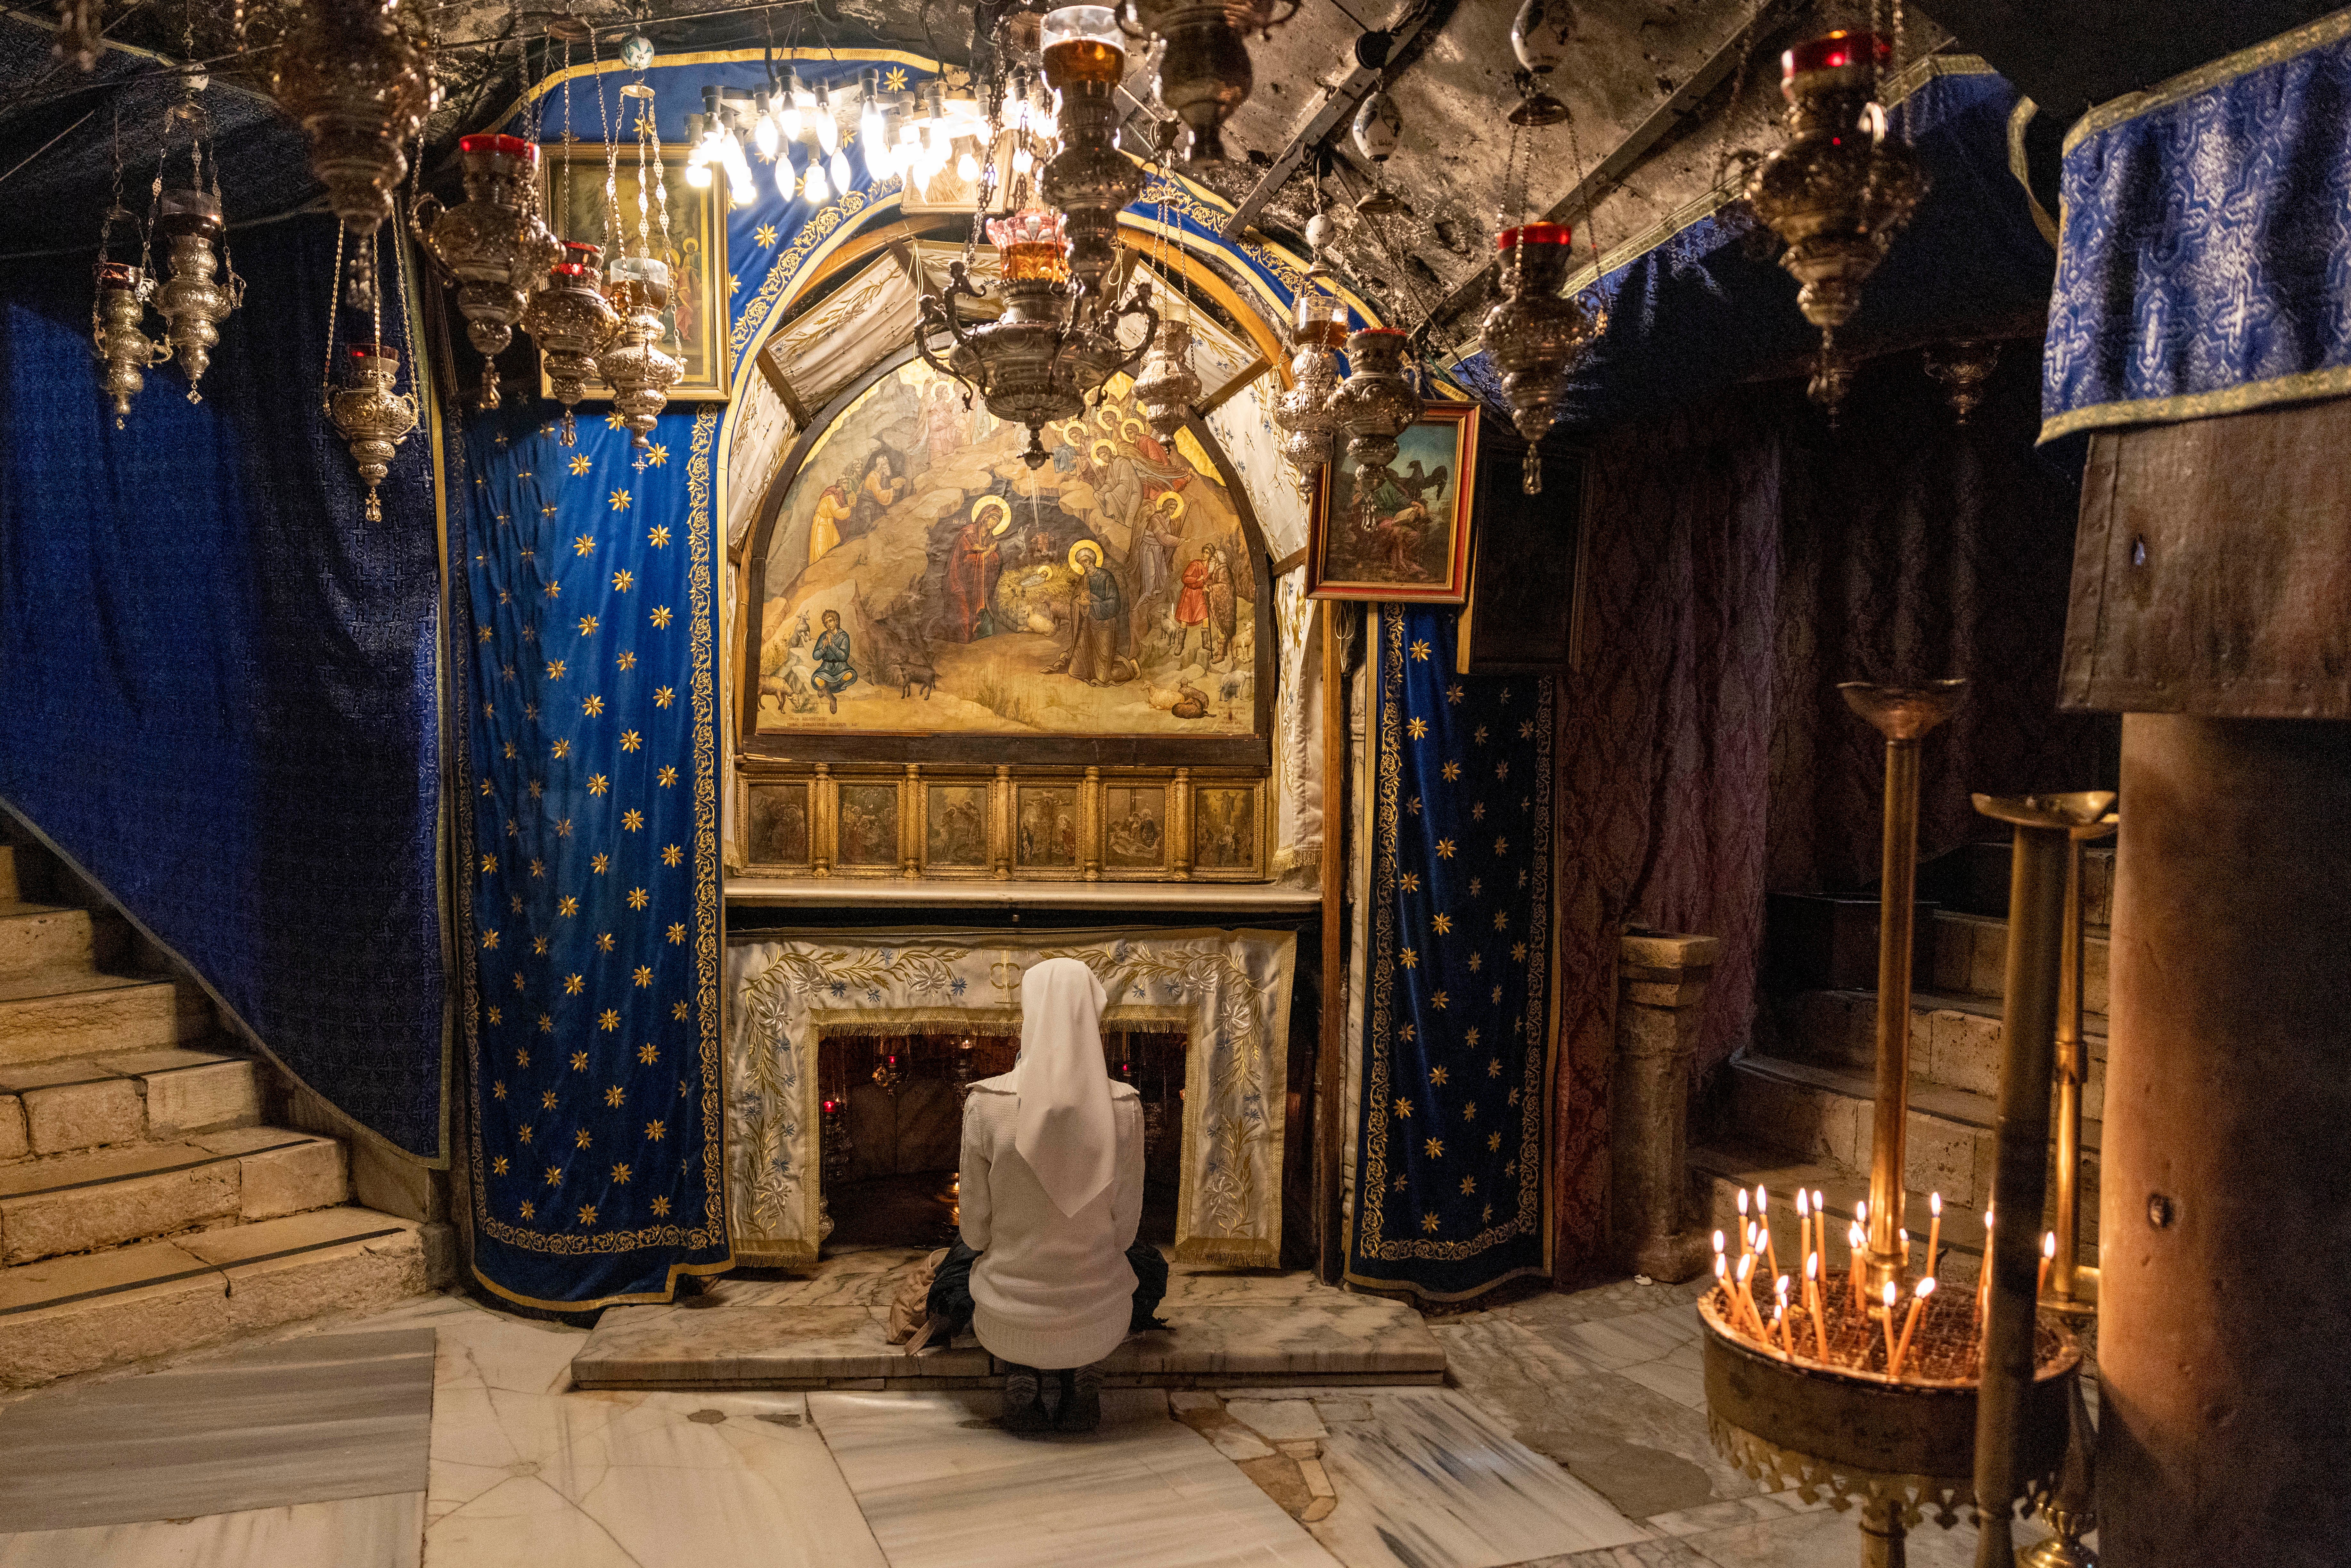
x=1717, y=1241
x=1816, y=1200
x=1803, y=1205
x=1926, y=1286
x=1853, y=1237
x=1935, y=1204
x=1743, y=1202
x=1861, y=1212
x=1890, y=1292
x=1812, y=1266
x=1987, y=1219
x=1762, y=1198
x=1721, y=1267
x=1781, y=1289
x=2049, y=1244
x=1746, y=1267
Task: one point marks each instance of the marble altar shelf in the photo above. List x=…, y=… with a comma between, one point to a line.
x=825, y=1331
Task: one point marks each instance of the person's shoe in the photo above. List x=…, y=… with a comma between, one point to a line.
x=1021, y=1411
x=1081, y=1412
x=1052, y=1393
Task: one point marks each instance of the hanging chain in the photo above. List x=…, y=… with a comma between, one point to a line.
x=334, y=313
x=616, y=238
x=571, y=140
x=644, y=207
x=1725, y=154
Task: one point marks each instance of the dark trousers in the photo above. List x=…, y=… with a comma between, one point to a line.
x=950, y=1295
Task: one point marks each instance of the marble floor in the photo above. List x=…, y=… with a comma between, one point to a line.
x=1571, y=1434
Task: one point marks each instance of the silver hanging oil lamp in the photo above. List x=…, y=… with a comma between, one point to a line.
x=1840, y=189
x=115, y=321
x=372, y=418
x=1539, y=37
x=1089, y=181
x=1375, y=403
x=1317, y=326
x=634, y=364
x=358, y=77
x=493, y=245
x=1533, y=334
x=1165, y=389
x=571, y=321
x=193, y=302
x=1204, y=66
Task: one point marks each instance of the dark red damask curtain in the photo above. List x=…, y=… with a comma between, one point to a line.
x=1742, y=559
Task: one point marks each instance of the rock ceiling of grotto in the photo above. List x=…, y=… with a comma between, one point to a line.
x=1654, y=86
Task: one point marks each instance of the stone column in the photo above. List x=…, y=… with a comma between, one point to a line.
x=2225, y=1217
x=1658, y=1016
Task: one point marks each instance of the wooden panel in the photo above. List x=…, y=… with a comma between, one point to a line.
x=2212, y=568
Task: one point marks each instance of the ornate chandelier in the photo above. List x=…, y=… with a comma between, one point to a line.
x=1040, y=359
x=493, y=245
x=1534, y=335
x=1840, y=189
x=358, y=75
x=1204, y=69
x=571, y=321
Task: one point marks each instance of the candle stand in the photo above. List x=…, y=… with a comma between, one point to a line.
x=2072, y=1289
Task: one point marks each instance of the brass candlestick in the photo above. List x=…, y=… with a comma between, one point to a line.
x=2073, y=1290
x=1903, y=715
x=2070, y=1508
x=2036, y=916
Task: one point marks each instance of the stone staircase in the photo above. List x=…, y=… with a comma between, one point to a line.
x=146, y=1205
x=1796, y=1110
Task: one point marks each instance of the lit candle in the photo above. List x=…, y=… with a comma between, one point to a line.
x=1891, y=1294
x=1803, y=1224
x=1812, y=1301
x=1722, y=1279
x=1779, y=1316
x=1779, y=1323
x=2048, y=1256
x=1763, y=1223
x=1984, y=1277
x=1902, y=1241
x=1909, y=1324
x=1854, y=1237
x=1934, y=1228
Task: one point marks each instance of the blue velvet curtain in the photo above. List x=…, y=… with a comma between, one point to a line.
x=1457, y=1012
x=222, y=680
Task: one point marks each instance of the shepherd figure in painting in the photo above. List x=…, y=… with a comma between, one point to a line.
x=833, y=674
x=883, y=487
x=1101, y=616
x=832, y=510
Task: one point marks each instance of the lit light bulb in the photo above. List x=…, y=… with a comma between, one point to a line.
x=968, y=168
x=788, y=107
x=763, y=126
x=1023, y=159
x=828, y=129
x=787, y=178
x=697, y=174
x=842, y=176
x=813, y=187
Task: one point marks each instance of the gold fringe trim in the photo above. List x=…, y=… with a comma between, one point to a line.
x=2309, y=386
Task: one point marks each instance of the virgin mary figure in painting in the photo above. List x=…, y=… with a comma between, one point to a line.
x=975, y=564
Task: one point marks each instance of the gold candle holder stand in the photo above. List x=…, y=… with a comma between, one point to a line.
x=2072, y=1289
x=1903, y=714
x=2043, y=826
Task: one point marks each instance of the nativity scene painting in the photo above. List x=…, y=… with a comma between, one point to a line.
x=920, y=579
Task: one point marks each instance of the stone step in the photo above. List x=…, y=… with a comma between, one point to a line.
x=51, y=1014
x=38, y=937
x=1974, y=878
x=123, y=1097
x=1954, y=1038
x=79, y=1203
x=66, y=1315
x=1822, y=1114
x=1722, y=1170
x=1970, y=956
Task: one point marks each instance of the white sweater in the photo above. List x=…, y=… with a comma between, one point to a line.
x=1050, y=1289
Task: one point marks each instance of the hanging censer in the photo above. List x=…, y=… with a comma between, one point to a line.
x=358, y=75
x=371, y=417
x=1533, y=334
x=1840, y=189
x=118, y=310
x=571, y=321
x=1165, y=389
x=1317, y=326
x=493, y=245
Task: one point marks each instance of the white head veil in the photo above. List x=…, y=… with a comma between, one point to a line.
x=1064, y=1130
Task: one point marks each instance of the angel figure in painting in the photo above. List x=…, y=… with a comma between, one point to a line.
x=833, y=673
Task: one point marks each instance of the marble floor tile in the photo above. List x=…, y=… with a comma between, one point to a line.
x=1713, y=1516
x=1641, y=1450
x=1680, y=1375
x=945, y=1486
x=639, y=1480
x=355, y=1533
x=302, y=1421
x=1432, y=1481
x=1612, y=1345
x=1337, y=1333
x=1639, y=1554
x=753, y=1347
x=1823, y=1536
